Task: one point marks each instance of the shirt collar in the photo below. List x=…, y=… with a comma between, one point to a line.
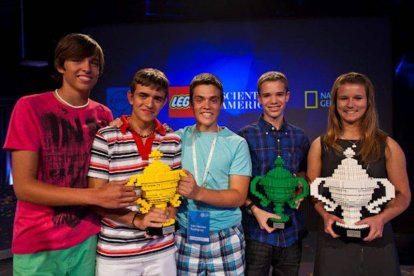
x=125, y=126
x=268, y=126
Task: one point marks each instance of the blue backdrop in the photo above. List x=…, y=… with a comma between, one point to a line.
x=311, y=52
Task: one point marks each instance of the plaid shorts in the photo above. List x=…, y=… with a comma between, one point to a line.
x=224, y=255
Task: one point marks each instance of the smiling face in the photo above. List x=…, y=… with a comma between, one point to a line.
x=273, y=97
x=147, y=103
x=351, y=102
x=206, y=104
x=80, y=74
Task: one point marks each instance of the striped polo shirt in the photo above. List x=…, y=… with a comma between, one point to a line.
x=115, y=156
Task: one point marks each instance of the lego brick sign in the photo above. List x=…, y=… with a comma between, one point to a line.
x=179, y=102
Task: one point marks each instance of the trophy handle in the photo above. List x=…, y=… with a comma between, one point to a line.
x=175, y=201
x=373, y=207
x=264, y=201
x=316, y=188
x=133, y=181
x=302, y=195
x=145, y=206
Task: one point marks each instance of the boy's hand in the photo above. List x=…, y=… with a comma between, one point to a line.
x=116, y=122
x=115, y=195
x=167, y=127
x=187, y=186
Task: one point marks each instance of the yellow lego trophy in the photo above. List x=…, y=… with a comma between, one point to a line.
x=158, y=185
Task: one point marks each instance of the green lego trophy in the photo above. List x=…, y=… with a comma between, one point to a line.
x=279, y=187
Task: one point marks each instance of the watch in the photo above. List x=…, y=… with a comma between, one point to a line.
x=249, y=208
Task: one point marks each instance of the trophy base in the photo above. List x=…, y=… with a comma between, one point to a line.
x=278, y=224
x=162, y=231
x=357, y=232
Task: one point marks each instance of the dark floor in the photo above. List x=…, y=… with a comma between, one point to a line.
x=6, y=267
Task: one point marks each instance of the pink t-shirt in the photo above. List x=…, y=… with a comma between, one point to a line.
x=63, y=137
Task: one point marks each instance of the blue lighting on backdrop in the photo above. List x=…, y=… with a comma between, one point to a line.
x=311, y=52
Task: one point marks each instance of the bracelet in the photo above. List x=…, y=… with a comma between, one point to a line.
x=249, y=208
x=133, y=219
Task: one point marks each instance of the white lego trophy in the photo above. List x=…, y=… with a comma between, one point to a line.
x=351, y=189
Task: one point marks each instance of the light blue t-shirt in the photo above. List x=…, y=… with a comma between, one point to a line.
x=230, y=157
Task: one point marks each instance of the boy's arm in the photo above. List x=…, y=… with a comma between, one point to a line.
x=154, y=218
x=28, y=188
x=234, y=196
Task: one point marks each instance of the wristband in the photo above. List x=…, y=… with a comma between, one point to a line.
x=133, y=219
x=249, y=208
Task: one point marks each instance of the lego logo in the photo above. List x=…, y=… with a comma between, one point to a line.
x=180, y=101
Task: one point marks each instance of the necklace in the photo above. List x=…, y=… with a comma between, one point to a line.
x=354, y=144
x=145, y=135
x=68, y=104
x=130, y=123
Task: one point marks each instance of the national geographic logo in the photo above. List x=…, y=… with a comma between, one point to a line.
x=314, y=99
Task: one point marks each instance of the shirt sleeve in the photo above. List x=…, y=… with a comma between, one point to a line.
x=99, y=164
x=180, y=132
x=24, y=128
x=242, y=164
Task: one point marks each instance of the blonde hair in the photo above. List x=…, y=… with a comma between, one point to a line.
x=272, y=76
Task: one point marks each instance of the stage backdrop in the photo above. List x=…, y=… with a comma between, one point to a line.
x=311, y=52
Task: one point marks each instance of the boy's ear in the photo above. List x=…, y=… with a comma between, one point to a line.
x=165, y=101
x=60, y=69
x=130, y=96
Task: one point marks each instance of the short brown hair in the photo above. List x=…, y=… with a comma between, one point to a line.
x=150, y=77
x=206, y=78
x=77, y=46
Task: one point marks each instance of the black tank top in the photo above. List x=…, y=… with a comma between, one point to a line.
x=377, y=169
